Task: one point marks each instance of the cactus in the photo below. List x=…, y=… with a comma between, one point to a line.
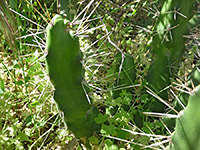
x=64, y=67
x=169, y=43
x=186, y=134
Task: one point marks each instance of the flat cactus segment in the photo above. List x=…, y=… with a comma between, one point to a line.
x=187, y=134
x=64, y=67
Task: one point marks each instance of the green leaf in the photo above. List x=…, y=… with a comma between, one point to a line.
x=101, y=118
x=109, y=145
x=94, y=140
x=23, y=137
x=122, y=134
x=28, y=120
x=20, y=82
x=34, y=104
x=108, y=130
x=15, y=64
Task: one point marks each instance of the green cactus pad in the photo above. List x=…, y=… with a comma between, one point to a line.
x=187, y=134
x=64, y=67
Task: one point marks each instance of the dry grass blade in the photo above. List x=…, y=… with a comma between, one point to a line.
x=161, y=115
